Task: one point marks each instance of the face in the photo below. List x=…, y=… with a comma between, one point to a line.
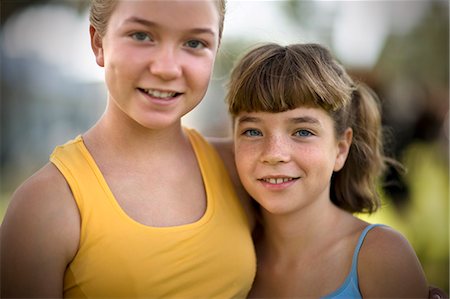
x=285, y=160
x=158, y=57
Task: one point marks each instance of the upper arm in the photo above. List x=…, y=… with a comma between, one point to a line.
x=389, y=268
x=38, y=237
x=224, y=147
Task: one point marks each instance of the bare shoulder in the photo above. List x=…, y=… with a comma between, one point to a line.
x=388, y=267
x=39, y=236
x=225, y=148
x=44, y=194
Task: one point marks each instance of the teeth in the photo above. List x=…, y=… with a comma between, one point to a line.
x=160, y=94
x=277, y=181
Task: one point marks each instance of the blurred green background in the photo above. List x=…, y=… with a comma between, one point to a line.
x=51, y=90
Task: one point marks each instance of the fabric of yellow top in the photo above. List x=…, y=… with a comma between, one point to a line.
x=119, y=257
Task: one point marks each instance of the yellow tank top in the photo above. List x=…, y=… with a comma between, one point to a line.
x=119, y=257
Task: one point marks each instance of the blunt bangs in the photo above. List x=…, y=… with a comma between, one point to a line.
x=276, y=79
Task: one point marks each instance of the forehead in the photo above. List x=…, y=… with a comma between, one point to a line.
x=177, y=14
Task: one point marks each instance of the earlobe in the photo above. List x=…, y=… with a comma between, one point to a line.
x=343, y=149
x=97, y=46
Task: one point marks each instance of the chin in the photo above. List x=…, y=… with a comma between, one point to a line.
x=277, y=211
x=275, y=208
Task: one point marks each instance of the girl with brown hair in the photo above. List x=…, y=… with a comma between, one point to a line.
x=308, y=147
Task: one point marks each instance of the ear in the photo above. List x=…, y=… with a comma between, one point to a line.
x=97, y=46
x=343, y=146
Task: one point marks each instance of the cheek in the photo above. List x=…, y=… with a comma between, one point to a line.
x=243, y=159
x=319, y=159
x=240, y=159
x=118, y=79
x=120, y=66
x=199, y=72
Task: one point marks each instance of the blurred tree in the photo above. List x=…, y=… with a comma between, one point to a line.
x=413, y=76
x=424, y=51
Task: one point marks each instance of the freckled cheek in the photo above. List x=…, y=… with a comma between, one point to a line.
x=313, y=153
x=246, y=150
x=244, y=157
x=245, y=171
x=317, y=158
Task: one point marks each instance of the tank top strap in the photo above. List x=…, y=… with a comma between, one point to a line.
x=350, y=287
x=358, y=248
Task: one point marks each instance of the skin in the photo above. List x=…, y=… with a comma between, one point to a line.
x=168, y=48
x=285, y=161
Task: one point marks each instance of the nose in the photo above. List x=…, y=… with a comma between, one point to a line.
x=165, y=63
x=275, y=150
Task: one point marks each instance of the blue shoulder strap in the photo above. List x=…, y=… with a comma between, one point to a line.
x=350, y=287
x=354, y=270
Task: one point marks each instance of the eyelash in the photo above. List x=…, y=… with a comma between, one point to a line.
x=199, y=43
x=302, y=133
x=145, y=37
x=308, y=133
x=248, y=133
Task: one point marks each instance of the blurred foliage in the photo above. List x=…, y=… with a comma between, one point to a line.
x=423, y=53
x=412, y=78
x=424, y=220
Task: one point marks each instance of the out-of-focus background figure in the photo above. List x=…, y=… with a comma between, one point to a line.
x=400, y=48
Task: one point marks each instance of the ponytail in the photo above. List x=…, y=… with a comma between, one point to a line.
x=355, y=186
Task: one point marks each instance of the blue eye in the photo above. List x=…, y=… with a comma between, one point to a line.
x=195, y=44
x=252, y=133
x=141, y=36
x=303, y=133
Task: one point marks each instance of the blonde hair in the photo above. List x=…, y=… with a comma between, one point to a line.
x=274, y=78
x=101, y=11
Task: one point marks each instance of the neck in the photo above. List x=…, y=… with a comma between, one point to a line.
x=117, y=135
x=288, y=235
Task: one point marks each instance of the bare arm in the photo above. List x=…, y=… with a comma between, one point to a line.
x=39, y=236
x=224, y=147
x=389, y=268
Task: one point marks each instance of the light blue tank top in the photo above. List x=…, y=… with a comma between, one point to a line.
x=350, y=287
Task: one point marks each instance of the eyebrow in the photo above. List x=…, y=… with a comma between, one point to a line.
x=294, y=120
x=304, y=119
x=148, y=23
x=248, y=119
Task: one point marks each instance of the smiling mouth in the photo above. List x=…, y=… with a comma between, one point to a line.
x=277, y=181
x=160, y=94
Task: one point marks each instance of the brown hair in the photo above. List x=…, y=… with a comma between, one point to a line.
x=273, y=78
x=101, y=11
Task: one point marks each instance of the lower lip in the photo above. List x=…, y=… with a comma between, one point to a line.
x=281, y=186
x=160, y=101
